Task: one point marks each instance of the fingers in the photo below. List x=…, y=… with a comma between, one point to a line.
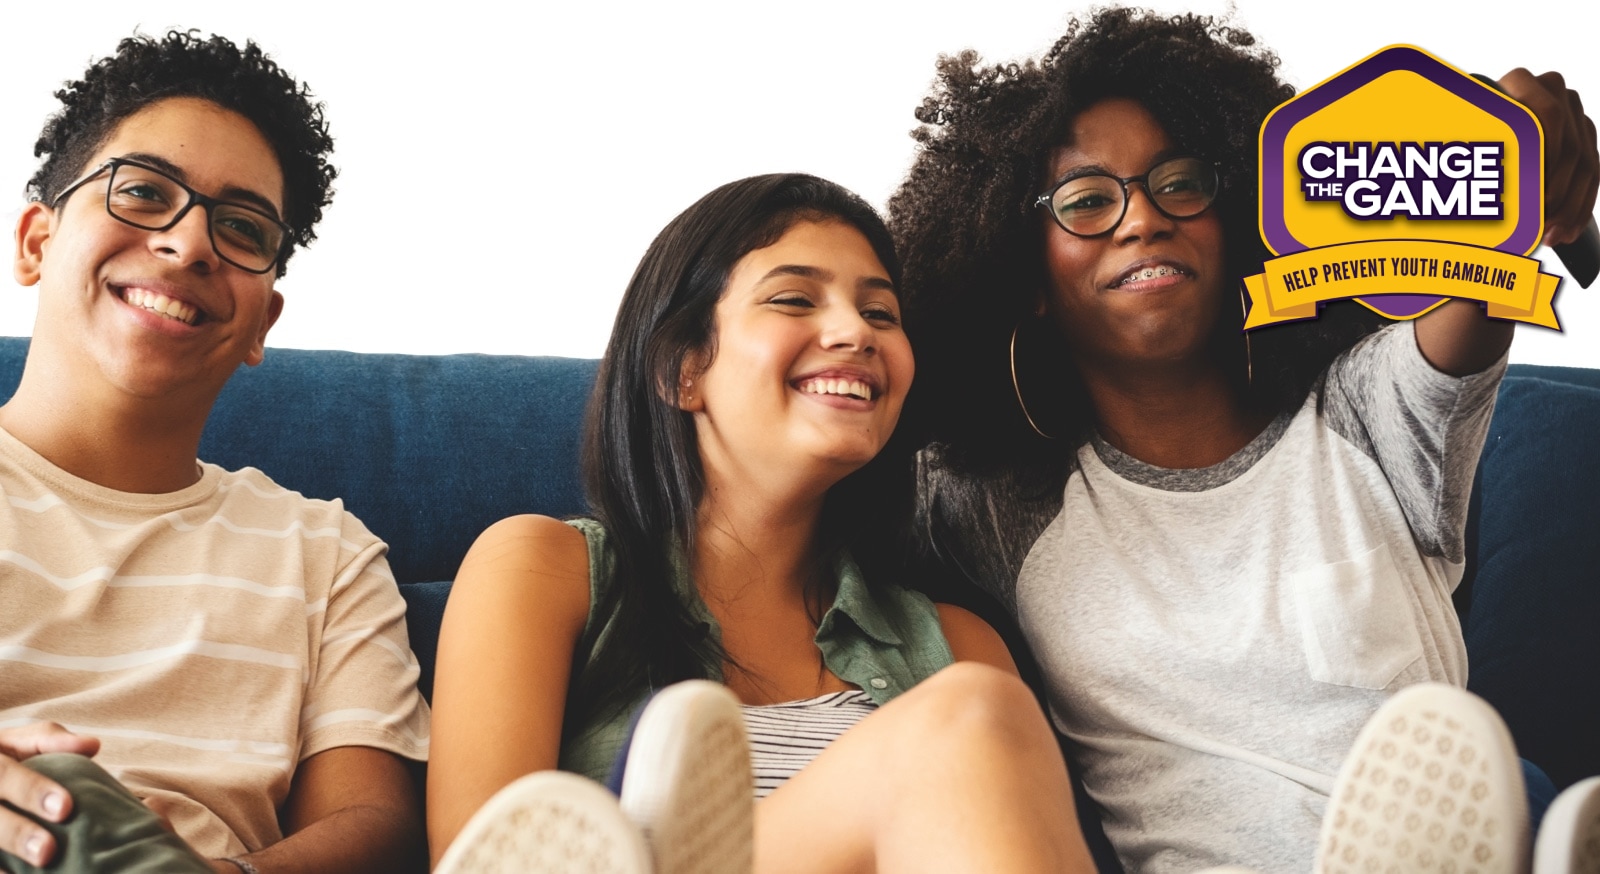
x=1571, y=160
x=1540, y=94
x=31, y=792
x=34, y=794
x=45, y=737
x=1585, y=211
x=1575, y=200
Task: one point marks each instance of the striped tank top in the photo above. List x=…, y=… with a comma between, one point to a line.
x=785, y=737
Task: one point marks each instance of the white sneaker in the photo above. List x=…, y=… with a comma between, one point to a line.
x=687, y=781
x=549, y=822
x=1432, y=783
x=1569, y=838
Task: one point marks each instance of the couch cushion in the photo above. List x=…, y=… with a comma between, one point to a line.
x=1533, y=626
x=427, y=450
x=424, y=611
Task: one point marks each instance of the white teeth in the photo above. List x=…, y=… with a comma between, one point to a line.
x=160, y=304
x=847, y=387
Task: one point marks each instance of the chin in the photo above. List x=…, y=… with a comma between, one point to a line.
x=1174, y=336
x=848, y=461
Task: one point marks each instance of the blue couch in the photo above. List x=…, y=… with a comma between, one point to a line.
x=430, y=450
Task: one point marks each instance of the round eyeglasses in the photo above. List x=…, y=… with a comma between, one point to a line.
x=1091, y=204
x=145, y=197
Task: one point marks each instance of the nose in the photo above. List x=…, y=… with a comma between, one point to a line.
x=846, y=329
x=188, y=242
x=1142, y=221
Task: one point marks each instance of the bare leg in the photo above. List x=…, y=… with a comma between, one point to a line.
x=962, y=773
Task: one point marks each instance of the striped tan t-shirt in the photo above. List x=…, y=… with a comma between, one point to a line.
x=211, y=638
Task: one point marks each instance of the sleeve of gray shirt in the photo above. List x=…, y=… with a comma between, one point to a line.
x=1424, y=428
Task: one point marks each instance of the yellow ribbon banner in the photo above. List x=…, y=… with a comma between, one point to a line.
x=1511, y=285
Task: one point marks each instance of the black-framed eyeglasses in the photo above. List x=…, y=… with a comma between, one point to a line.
x=1091, y=204
x=145, y=197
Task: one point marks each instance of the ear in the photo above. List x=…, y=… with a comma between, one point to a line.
x=690, y=398
x=258, y=352
x=34, y=227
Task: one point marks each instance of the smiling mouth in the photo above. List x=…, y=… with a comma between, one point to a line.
x=1156, y=272
x=161, y=305
x=849, y=388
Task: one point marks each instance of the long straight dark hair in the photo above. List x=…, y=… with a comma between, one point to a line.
x=641, y=460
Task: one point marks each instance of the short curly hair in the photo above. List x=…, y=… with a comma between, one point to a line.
x=973, y=245
x=145, y=70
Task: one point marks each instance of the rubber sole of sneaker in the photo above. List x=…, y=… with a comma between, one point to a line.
x=550, y=822
x=1569, y=838
x=688, y=783
x=1431, y=784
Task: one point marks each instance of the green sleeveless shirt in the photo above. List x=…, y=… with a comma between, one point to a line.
x=883, y=642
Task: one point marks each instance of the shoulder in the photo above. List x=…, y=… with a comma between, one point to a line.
x=1373, y=353
x=1385, y=388
x=1393, y=355
x=959, y=622
x=535, y=540
x=972, y=639
x=249, y=484
x=272, y=533
x=527, y=557
x=250, y=493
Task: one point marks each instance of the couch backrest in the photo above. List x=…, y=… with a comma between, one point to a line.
x=428, y=450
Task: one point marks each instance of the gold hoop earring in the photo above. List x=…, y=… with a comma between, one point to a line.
x=1249, y=365
x=1017, y=387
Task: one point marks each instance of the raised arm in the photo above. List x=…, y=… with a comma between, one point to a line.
x=1571, y=161
x=1456, y=338
x=515, y=614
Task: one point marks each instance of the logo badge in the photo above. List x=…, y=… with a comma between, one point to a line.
x=1401, y=182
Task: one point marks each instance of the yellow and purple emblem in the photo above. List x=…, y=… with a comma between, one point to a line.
x=1401, y=182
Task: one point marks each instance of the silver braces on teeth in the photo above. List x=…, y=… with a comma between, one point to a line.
x=1151, y=273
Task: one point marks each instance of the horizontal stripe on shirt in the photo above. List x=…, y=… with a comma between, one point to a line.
x=785, y=737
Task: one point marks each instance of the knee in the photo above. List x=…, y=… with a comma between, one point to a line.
x=974, y=702
x=975, y=686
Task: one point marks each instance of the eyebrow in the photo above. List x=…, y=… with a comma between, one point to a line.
x=817, y=274
x=1101, y=170
x=231, y=193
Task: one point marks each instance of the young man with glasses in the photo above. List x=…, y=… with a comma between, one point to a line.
x=209, y=651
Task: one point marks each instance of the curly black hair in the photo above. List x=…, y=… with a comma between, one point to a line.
x=145, y=70
x=972, y=244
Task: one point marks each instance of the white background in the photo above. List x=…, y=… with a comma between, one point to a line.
x=502, y=171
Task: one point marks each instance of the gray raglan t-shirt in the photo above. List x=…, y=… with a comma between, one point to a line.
x=1212, y=640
